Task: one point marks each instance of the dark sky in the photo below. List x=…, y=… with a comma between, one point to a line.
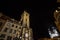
x=41, y=13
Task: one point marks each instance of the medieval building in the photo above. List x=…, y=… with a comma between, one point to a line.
x=11, y=29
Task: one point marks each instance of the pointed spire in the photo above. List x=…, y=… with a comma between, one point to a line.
x=25, y=19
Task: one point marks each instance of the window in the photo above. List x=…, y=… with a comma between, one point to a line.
x=5, y=30
x=14, y=31
x=10, y=31
x=16, y=26
x=26, y=35
x=19, y=27
x=9, y=37
x=2, y=35
x=12, y=25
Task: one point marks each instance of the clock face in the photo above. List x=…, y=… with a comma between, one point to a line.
x=8, y=24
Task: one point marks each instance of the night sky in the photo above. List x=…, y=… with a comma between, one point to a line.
x=41, y=13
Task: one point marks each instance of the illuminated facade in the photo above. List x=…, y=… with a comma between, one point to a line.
x=11, y=29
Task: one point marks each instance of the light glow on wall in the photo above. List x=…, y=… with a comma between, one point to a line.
x=26, y=35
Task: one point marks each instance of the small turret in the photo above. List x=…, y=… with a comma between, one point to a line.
x=25, y=19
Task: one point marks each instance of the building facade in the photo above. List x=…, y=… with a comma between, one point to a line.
x=11, y=29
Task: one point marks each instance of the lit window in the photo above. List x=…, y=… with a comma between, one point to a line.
x=26, y=35
x=20, y=37
x=19, y=27
x=56, y=11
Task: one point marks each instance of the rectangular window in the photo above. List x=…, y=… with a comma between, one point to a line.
x=5, y=30
x=13, y=25
x=14, y=31
x=19, y=27
x=2, y=35
x=10, y=31
x=9, y=37
x=16, y=26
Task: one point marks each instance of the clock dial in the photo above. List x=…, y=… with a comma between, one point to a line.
x=9, y=24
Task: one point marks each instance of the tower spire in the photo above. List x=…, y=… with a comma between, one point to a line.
x=25, y=19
